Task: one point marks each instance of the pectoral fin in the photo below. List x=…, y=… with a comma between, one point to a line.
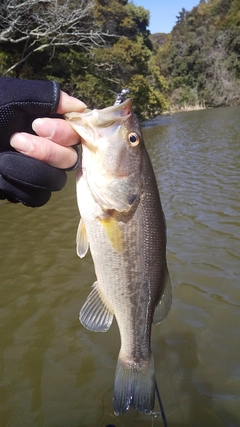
x=82, y=239
x=113, y=232
x=95, y=315
x=165, y=302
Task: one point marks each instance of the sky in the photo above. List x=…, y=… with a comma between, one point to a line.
x=163, y=12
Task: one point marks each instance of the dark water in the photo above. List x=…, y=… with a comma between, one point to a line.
x=53, y=372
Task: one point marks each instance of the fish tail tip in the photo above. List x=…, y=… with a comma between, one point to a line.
x=134, y=386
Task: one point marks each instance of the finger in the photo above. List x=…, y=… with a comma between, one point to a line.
x=68, y=104
x=57, y=130
x=44, y=150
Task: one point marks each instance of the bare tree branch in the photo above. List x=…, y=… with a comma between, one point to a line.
x=40, y=24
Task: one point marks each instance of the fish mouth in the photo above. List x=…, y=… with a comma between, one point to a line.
x=97, y=122
x=91, y=124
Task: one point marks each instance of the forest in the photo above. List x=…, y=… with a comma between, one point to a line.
x=94, y=48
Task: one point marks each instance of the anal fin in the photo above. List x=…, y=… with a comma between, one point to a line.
x=95, y=315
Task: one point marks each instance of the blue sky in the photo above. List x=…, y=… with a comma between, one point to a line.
x=163, y=12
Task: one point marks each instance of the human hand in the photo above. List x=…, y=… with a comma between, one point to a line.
x=55, y=139
x=24, y=178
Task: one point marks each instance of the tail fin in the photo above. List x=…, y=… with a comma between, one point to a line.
x=134, y=386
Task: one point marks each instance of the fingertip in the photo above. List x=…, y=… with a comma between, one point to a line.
x=21, y=142
x=37, y=125
x=68, y=103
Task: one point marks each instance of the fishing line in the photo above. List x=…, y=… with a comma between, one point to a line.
x=161, y=405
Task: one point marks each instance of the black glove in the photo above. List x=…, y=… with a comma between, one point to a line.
x=22, y=178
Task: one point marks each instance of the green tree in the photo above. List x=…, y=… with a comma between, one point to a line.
x=93, y=48
x=201, y=58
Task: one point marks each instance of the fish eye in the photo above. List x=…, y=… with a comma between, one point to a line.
x=133, y=139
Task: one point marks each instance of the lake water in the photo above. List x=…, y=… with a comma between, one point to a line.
x=55, y=373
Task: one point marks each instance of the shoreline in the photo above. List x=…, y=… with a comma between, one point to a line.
x=185, y=108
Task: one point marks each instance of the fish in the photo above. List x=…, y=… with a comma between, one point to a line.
x=122, y=222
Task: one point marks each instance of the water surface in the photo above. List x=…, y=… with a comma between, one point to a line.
x=55, y=373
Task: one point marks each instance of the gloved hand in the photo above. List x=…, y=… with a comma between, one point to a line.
x=22, y=178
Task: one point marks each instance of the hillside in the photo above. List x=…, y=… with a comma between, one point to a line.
x=201, y=57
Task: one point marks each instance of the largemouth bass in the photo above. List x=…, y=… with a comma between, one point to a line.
x=123, y=224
